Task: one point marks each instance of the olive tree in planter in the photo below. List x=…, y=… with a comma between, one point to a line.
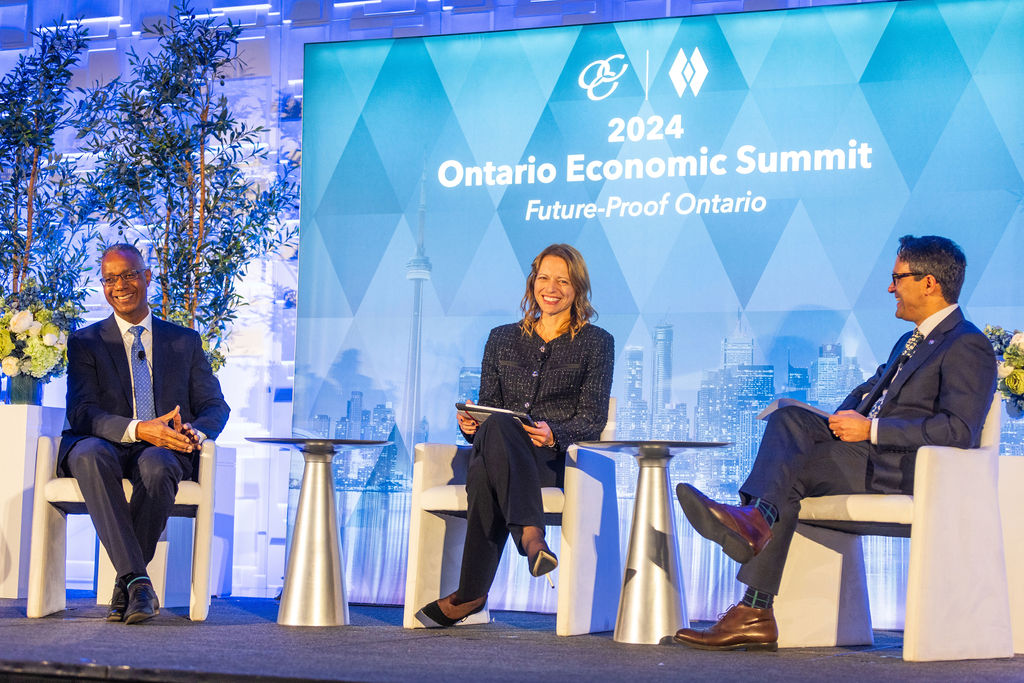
x=46, y=219
x=175, y=168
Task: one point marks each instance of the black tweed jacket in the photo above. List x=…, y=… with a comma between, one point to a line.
x=565, y=382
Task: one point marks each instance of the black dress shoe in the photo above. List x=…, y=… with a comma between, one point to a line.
x=142, y=602
x=543, y=561
x=118, y=602
x=431, y=615
x=539, y=556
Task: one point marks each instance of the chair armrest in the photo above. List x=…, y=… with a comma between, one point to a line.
x=439, y=464
x=957, y=474
x=207, y=470
x=956, y=551
x=956, y=502
x=591, y=504
x=46, y=462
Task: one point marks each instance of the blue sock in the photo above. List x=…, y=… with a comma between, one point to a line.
x=757, y=599
x=767, y=510
x=132, y=578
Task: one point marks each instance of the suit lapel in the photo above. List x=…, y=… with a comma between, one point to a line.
x=160, y=353
x=114, y=344
x=925, y=350
x=883, y=383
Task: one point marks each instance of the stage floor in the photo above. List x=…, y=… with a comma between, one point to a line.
x=241, y=641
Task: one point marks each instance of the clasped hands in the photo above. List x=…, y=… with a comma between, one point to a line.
x=849, y=425
x=168, y=431
x=540, y=432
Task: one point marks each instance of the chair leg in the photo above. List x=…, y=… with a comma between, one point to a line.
x=202, y=556
x=202, y=545
x=423, y=566
x=823, y=598
x=157, y=570
x=957, y=595
x=47, y=569
x=1011, y=483
x=177, y=576
x=106, y=575
x=435, y=560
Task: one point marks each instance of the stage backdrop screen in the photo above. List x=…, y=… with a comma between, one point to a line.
x=737, y=185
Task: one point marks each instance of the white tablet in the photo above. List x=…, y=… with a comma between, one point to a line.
x=481, y=413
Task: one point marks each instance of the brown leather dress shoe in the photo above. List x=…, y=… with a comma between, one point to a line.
x=740, y=628
x=741, y=531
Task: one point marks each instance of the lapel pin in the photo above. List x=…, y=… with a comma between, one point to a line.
x=930, y=342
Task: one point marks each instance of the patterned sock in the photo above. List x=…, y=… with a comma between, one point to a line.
x=757, y=599
x=767, y=510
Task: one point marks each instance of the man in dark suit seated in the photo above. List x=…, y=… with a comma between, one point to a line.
x=935, y=389
x=141, y=399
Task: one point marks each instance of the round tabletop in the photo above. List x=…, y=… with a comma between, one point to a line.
x=633, y=446
x=314, y=441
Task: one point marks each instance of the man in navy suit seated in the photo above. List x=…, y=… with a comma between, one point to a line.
x=141, y=399
x=935, y=389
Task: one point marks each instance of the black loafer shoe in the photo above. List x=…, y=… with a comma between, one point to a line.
x=431, y=615
x=142, y=603
x=118, y=602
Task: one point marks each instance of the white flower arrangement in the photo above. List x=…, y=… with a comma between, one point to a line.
x=33, y=338
x=1010, y=349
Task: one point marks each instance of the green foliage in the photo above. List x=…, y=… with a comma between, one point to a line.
x=46, y=221
x=178, y=170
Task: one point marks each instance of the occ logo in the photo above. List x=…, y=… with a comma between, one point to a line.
x=601, y=77
x=688, y=72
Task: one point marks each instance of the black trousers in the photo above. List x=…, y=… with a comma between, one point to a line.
x=503, y=483
x=798, y=457
x=129, y=530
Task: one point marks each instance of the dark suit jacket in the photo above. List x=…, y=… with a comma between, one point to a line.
x=940, y=397
x=99, y=398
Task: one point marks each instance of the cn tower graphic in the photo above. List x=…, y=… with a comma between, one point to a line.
x=418, y=270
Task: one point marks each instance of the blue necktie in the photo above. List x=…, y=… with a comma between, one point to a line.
x=141, y=379
x=908, y=351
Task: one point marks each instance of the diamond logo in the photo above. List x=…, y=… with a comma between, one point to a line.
x=688, y=72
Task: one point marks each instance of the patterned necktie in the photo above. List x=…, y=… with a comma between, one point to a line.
x=141, y=379
x=908, y=351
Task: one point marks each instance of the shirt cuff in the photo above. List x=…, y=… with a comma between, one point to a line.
x=130, y=435
x=874, y=431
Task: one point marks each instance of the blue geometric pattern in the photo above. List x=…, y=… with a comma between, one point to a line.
x=932, y=87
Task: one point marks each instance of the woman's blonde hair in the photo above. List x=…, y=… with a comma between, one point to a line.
x=581, y=311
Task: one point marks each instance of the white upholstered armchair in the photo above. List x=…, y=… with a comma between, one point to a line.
x=957, y=604
x=589, y=571
x=57, y=497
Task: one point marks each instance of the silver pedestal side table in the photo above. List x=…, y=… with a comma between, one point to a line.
x=652, y=604
x=314, y=591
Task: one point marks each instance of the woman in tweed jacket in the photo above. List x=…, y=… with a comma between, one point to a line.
x=557, y=367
